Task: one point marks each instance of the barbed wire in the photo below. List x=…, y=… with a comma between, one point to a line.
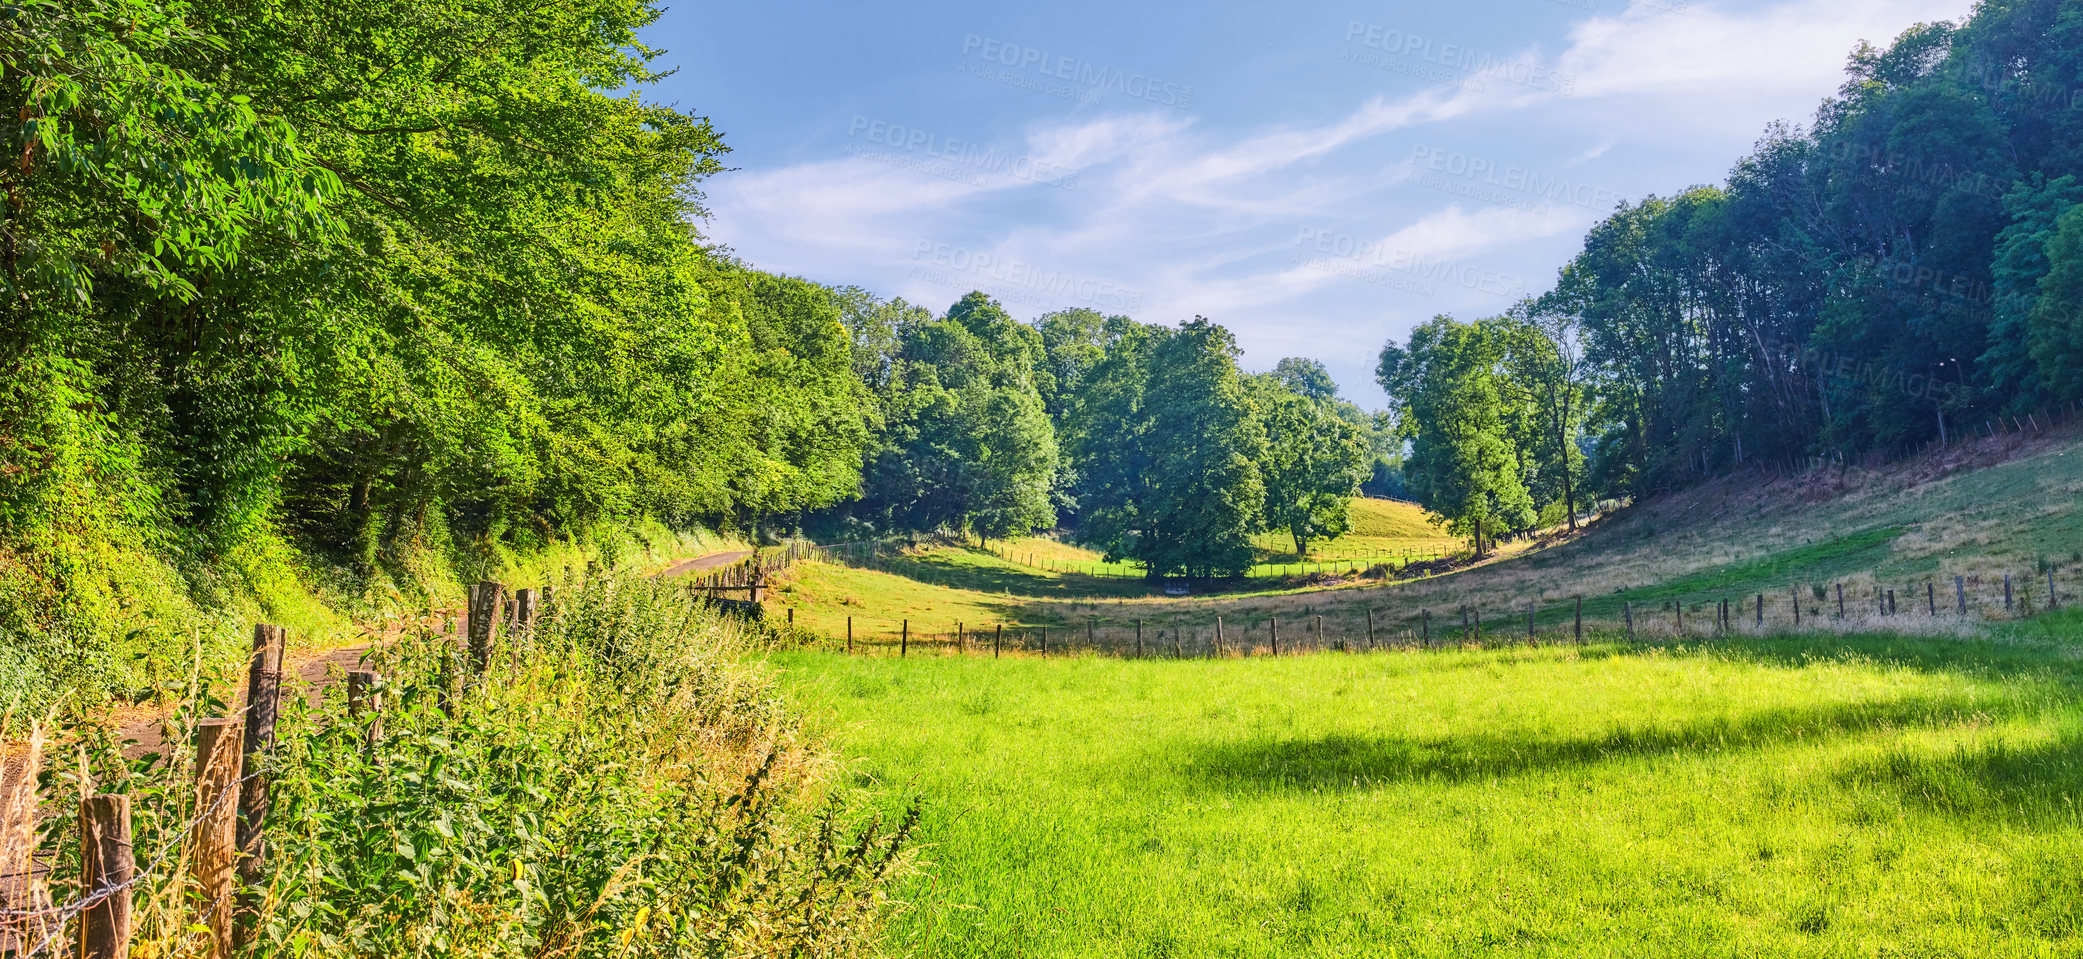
x=62, y=914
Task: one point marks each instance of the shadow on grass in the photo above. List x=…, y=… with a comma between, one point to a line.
x=977, y=570
x=1340, y=762
x=2032, y=783
x=2041, y=650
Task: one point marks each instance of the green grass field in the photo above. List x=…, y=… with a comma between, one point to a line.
x=1854, y=796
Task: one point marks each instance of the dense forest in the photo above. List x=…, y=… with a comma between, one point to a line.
x=1900, y=271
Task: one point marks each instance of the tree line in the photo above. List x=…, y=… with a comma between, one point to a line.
x=1146, y=439
x=1898, y=271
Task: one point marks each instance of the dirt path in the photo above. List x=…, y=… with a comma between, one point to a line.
x=307, y=672
x=710, y=561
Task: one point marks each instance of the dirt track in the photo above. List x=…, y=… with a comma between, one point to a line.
x=308, y=672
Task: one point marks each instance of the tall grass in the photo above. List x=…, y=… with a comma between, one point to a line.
x=618, y=782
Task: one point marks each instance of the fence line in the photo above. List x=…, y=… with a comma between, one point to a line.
x=1341, y=628
x=224, y=842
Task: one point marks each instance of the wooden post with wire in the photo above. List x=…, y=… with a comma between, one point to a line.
x=263, y=705
x=107, y=862
x=212, y=847
x=485, y=602
x=21, y=882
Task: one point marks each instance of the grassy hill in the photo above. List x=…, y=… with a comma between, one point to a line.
x=2003, y=506
x=1874, y=785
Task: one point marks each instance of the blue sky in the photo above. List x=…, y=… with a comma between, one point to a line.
x=1319, y=177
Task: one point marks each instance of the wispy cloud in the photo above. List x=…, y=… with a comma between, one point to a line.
x=1197, y=215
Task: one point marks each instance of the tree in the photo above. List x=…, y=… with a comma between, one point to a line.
x=1306, y=378
x=1547, y=374
x=2056, y=335
x=1313, y=467
x=1445, y=388
x=966, y=443
x=1168, y=451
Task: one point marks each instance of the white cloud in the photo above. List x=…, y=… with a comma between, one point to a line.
x=1190, y=215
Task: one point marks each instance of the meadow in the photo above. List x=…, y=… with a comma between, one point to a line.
x=1810, y=796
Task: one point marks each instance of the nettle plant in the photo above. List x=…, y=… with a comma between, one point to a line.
x=614, y=783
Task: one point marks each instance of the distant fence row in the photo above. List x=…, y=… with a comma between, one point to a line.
x=1351, y=628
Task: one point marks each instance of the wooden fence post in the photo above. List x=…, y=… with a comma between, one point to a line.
x=2007, y=592
x=961, y=639
x=527, y=607
x=1273, y=626
x=107, y=862
x=1761, y=611
x=1891, y=602
x=1370, y=627
x=1531, y=638
x=1580, y=620
x=904, y=641
x=1425, y=629
x=2053, y=597
x=1466, y=633
x=1960, y=590
x=1931, y=593
x=1628, y=609
x=1319, y=634
x=997, y=640
x=849, y=635
x=21, y=887
x=263, y=705
x=484, y=623
x=1045, y=642
x=1840, y=600
x=1218, y=635
x=212, y=845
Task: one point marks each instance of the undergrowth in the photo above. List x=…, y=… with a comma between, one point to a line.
x=618, y=782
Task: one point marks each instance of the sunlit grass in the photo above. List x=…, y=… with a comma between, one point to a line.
x=1863, y=796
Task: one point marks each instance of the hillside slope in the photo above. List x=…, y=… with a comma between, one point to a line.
x=2008, y=505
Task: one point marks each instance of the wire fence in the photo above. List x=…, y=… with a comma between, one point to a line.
x=222, y=844
x=1928, y=605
